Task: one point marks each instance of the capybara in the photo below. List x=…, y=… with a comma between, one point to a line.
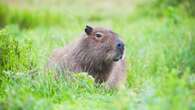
x=99, y=52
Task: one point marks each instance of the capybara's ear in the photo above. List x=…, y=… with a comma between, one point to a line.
x=88, y=30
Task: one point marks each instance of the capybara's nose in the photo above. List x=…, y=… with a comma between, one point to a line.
x=119, y=50
x=120, y=45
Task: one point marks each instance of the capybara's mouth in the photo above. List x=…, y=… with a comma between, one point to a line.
x=119, y=54
x=117, y=58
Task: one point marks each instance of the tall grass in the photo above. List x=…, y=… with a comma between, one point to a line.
x=160, y=54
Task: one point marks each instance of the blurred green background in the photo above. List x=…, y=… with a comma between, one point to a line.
x=160, y=50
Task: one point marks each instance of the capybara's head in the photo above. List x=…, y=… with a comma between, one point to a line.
x=103, y=44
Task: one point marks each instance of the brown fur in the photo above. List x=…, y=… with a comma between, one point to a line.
x=93, y=55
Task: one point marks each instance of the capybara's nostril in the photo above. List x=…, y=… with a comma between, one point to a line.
x=120, y=45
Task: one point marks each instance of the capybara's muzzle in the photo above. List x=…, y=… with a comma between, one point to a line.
x=119, y=50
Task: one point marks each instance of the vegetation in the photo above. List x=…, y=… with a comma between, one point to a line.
x=160, y=52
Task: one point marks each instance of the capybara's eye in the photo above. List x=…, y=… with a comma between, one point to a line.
x=98, y=34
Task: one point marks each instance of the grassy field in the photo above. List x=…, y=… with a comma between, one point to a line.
x=160, y=50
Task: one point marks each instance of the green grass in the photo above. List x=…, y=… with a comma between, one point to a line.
x=160, y=53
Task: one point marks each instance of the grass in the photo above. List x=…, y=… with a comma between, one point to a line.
x=160, y=54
